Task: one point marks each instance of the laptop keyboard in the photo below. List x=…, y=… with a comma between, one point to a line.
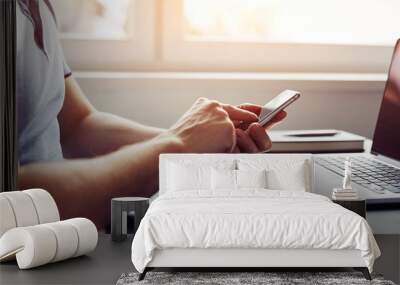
x=367, y=172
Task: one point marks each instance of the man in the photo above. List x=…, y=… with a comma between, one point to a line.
x=84, y=157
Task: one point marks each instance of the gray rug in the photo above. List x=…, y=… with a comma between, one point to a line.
x=269, y=278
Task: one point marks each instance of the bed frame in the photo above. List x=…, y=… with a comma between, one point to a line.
x=250, y=259
x=242, y=259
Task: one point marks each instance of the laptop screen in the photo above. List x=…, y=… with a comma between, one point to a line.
x=387, y=131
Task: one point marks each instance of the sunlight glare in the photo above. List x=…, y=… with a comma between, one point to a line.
x=306, y=21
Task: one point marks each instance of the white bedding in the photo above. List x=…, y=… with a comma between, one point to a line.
x=251, y=218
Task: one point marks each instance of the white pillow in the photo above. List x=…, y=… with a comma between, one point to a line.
x=223, y=179
x=186, y=177
x=293, y=179
x=251, y=178
x=287, y=172
x=187, y=174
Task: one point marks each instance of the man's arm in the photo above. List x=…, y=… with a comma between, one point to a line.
x=84, y=187
x=86, y=132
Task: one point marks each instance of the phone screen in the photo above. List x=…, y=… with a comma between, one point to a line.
x=277, y=104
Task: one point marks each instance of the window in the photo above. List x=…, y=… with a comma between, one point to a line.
x=106, y=34
x=360, y=22
x=93, y=18
x=229, y=35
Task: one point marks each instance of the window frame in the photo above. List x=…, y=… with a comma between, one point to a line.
x=92, y=53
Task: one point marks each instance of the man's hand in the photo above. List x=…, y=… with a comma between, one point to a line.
x=252, y=138
x=132, y=170
x=209, y=126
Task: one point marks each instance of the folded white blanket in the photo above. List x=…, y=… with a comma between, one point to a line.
x=251, y=219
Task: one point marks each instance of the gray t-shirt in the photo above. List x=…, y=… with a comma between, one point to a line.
x=40, y=89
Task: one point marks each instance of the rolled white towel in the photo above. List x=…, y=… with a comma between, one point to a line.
x=67, y=240
x=87, y=235
x=26, y=208
x=46, y=207
x=40, y=244
x=23, y=208
x=33, y=246
x=7, y=218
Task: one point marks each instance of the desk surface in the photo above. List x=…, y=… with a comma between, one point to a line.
x=103, y=266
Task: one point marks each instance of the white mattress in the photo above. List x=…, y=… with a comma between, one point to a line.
x=253, y=218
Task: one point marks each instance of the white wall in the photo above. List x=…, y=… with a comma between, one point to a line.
x=350, y=104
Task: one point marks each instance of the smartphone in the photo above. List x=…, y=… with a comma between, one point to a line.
x=273, y=107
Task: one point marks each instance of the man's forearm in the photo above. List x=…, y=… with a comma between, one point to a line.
x=85, y=187
x=101, y=133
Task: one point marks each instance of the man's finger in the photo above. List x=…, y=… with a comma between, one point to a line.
x=245, y=143
x=241, y=124
x=237, y=124
x=275, y=120
x=260, y=138
x=256, y=109
x=237, y=114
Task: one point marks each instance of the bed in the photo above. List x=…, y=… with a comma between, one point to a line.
x=247, y=211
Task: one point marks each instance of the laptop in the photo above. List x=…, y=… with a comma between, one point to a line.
x=376, y=175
